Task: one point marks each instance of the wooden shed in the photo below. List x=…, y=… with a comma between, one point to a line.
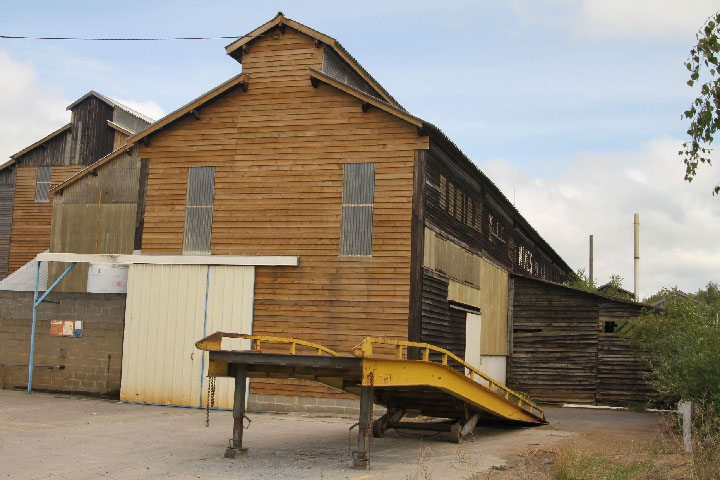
x=305, y=154
x=98, y=126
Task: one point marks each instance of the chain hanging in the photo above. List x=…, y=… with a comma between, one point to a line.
x=210, y=399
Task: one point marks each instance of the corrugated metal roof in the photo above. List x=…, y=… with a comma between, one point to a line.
x=23, y=279
x=112, y=103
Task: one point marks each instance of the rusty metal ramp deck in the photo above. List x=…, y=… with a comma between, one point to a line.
x=429, y=386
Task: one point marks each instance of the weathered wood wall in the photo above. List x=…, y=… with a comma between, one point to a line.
x=7, y=201
x=621, y=374
x=31, y=220
x=89, y=139
x=490, y=283
x=92, y=137
x=279, y=150
x=461, y=202
x=559, y=354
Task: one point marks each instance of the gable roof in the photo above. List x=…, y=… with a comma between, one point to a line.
x=596, y=294
x=439, y=136
x=235, y=50
x=13, y=157
x=238, y=80
x=112, y=103
x=92, y=93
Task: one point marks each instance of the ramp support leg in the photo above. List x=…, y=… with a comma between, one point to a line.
x=361, y=456
x=236, y=449
x=458, y=430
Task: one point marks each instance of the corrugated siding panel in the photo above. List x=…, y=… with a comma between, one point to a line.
x=118, y=179
x=199, y=209
x=75, y=229
x=165, y=316
x=442, y=255
x=128, y=121
x=42, y=185
x=357, y=210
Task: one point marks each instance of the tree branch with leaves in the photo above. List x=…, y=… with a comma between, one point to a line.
x=704, y=113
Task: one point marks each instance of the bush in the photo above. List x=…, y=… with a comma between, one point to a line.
x=683, y=345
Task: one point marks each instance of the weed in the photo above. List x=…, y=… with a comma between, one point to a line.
x=571, y=465
x=706, y=441
x=498, y=467
x=422, y=470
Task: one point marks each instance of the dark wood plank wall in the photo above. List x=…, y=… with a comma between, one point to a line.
x=621, y=374
x=466, y=208
x=558, y=352
x=54, y=152
x=93, y=138
x=279, y=150
x=7, y=199
x=439, y=327
x=555, y=343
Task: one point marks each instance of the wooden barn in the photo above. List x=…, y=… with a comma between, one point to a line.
x=363, y=220
x=98, y=126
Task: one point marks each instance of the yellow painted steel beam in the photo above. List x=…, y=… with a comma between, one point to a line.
x=365, y=349
x=213, y=342
x=390, y=373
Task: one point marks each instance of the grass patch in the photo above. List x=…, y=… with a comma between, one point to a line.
x=571, y=465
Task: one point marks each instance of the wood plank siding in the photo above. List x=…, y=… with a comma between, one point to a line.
x=7, y=201
x=466, y=205
x=278, y=151
x=31, y=220
x=559, y=354
x=90, y=135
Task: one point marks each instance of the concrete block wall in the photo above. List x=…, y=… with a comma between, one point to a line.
x=293, y=403
x=92, y=363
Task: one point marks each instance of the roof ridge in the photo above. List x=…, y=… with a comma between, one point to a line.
x=113, y=103
x=328, y=40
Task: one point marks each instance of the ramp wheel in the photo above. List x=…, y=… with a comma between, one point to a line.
x=456, y=433
x=379, y=427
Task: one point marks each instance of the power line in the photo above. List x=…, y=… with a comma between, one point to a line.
x=126, y=39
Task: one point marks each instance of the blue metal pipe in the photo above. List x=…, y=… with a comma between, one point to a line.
x=37, y=302
x=32, y=331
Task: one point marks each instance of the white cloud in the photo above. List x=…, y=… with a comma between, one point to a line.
x=641, y=18
x=147, y=108
x=610, y=19
x=599, y=193
x=30, y=110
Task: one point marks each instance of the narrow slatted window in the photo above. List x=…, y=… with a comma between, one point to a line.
x=42, y=185
x=357, y=209
x=199, y=209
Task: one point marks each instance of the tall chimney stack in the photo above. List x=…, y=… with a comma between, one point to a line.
x=590, y=270
x=637, y=256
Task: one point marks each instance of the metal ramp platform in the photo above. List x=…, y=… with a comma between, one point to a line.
x=428, y=386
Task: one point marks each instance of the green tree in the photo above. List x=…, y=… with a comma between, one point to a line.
x=704, y=113
x=683, y=345
x=581, y=280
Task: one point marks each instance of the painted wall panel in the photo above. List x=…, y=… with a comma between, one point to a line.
x=451, y=260
x=165, y=316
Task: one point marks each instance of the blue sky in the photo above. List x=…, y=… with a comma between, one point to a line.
x=571, y=106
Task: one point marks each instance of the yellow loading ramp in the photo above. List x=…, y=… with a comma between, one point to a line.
x=428, y=387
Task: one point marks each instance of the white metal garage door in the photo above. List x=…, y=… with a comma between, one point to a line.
x=169, y=308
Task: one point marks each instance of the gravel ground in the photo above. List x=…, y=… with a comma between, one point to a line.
x=59, y=436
